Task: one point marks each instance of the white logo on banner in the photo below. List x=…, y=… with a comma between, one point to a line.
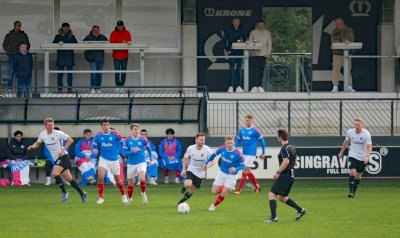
x=360, y=8
x=212, y=12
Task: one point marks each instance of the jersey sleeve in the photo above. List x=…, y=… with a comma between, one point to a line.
x=347, y=136
x=284, y=153
x=238, y=139
x=61, y=134
x=368, y=140
x=95, y=145
x=187, y=153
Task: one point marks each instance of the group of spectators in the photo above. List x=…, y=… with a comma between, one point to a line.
x=20, y=61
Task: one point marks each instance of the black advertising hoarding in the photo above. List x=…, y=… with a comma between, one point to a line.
x=324, y=162
x=213, y=17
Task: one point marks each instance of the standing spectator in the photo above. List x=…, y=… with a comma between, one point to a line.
x=54, y=140
x=152, y=168
x=95, y=58
x=233, y=34
x=120, y=35
x=341, y=33
x=170, y=151
x=11, y=44
x=65, y=58
x=231, y=163
x=17, y=148
x=284, y=178
x=258, y=58
x=360, y=149
x=23, y=66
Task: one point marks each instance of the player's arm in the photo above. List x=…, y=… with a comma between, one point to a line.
x=238, y=140
x=95, y=147
x=262, y=141
x=66, y=146
x=126, y=151
x=282, y=167
x=369, y=150
x=240, y=166
x=209, y=164
x=344, y=146
x=77, y=150
x=185, y=163
x=35, y=145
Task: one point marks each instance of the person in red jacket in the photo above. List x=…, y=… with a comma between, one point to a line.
x=120, y=35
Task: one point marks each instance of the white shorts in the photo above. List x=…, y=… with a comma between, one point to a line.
x=249, y=160
x=134, y=169
x=228, y=180
x=111, y=165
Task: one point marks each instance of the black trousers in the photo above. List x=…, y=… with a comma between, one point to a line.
x=257, y=66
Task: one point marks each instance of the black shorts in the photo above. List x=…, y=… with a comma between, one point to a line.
x=283, y=185
x=357, y=164
x=196, y=181
x=64, y=162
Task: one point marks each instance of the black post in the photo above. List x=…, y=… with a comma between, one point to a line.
x=340, y=117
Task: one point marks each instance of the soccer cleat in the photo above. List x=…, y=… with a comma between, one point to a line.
x=91, y=180
x=124, y=198
x=166, y=180
x=335, y=89
x=239, y=89
x=64, y=197
x=211, y=208
x=271, y=220
x=83, y=197
x=100, y=200
x=183, y=190
x=230, y=89
x=260, y=90
x=129, y=201
x=257, y=189
x=153, y=181
x=300, y=214
x=236, y=192
x=350, y=195
x=177, y=181
x=254, y=90
x=144, y=198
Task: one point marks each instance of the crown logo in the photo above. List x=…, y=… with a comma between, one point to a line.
x=360, y=8
x=209, y=12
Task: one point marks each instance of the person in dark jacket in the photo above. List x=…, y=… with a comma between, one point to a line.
x=17, y=149
x=10, y=45
x=233, y=34
x=23, y=66
x=95, y=58
x=65, y=58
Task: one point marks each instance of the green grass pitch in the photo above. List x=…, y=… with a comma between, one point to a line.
x=36, y=211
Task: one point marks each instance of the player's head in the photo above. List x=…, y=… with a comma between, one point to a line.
x=229, y=142
x=143, y=132
x=18, y=135
x=49, y=124
x=283, y=135
x=170, y=133
x=248, y=120
x=87, y=133
x=105, y=125
x=200, y=139
x=358, y=124
x=135, y=129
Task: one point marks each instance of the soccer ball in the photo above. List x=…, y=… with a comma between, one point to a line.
x=183, y=208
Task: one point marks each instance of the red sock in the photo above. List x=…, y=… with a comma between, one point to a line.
x=130, y=191
x=166, y=171
x=221, y=188
x=252, y=179
x=143, y=186
x=242, y=181
x=177, y=174
x=121, y=188
x=219, y=200
x=100, y=189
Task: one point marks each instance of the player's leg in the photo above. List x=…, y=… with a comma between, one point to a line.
x=142, y=178
x=166, y=178
x=352, y=174
x=358, y=174
x=229, y=183
x=242, y=180
x=286, y=183
x=177, y=176
x=66, y=174
x=249, y=163
x=101, y=171
x=131, y=174
x=57, y=169
x=272, y=201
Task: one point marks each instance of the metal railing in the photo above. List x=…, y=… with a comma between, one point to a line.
x=313, y=117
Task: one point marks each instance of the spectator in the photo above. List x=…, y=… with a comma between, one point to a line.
x=23, y=65
x=120, y=35
x=85, y=159
x=95, y=58
x=11, y=45
x=65, y=58
x=258, y=58
x=341, y=33
x=234, y=33
x=17, y=148
x=170, y=152
x=152, y=169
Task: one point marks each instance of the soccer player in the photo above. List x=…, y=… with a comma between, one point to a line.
x=284, y=178
x=152, y=169
x=134, y=148
x=359, y=152
x=54, y=139
x=231, y=163
x=193, y=166
x=109, y=143
x=249, y=136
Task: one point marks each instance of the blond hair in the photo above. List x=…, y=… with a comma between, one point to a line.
x=48, y=119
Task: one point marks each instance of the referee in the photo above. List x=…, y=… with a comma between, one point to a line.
x=284, y=178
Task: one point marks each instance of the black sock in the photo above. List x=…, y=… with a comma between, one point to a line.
x=351, y=183
x=60, y=183
x=272, y=206
x=356, y=184
x=47, y=168
x=185, y=197
x=293, y=204
x=75, y=185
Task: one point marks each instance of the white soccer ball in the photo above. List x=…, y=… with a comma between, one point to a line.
x=183, y=208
